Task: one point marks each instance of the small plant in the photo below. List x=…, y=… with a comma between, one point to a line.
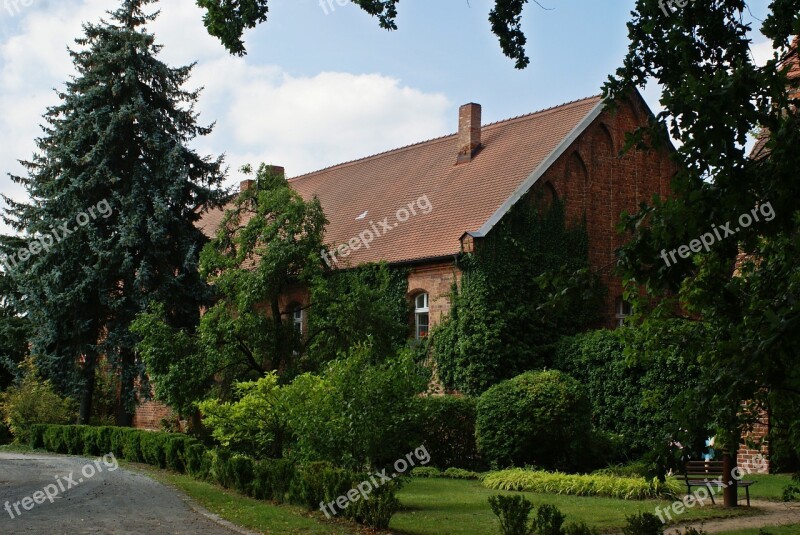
x=701, y=531
x=792, y=490
x=548, y=521
x=579, y=528
x=513, y=512
x=643, y=524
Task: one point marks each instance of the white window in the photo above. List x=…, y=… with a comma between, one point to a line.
x=421, y=317
x=624, y=309
x=297, y=318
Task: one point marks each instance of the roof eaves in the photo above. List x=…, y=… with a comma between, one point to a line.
x=537, y=173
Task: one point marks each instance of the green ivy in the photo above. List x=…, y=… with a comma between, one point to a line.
x=527, y=284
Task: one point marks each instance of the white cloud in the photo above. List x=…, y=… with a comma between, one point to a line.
x=262, y=112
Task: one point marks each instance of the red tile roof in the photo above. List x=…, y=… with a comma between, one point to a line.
x=462, y=197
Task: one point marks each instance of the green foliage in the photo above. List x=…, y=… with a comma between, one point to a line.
x=115, y=159
x=521, y=479
x=254, y=423
x=548, y=520
x=632, y=469
x=228, y=20
x=377, y=511
x=15, y=329
x=359, y=413
x=272, y=479
x=363, y=304
x=426, y=472
x=33, y=401
x=447, y=427
x=460, y=473
x=526, y=285
x=637, y=380
x=513, y=512
x=643, y=524
x=752, y=316
x=580, y=528
x=539, y=418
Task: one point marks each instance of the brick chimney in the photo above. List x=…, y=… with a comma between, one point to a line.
x=245, y=185
x=469, y=131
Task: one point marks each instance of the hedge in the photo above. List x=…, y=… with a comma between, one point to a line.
x=626, y=488
x=279, y=480
x=447, y=428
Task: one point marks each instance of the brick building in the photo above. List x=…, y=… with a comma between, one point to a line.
x=419, y=206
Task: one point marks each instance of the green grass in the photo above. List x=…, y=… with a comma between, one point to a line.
x=768, y=486
x=462, y=506
x=249, y=513
x=790, y=529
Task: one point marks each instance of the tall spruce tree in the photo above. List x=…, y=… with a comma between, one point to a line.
x=115, y=178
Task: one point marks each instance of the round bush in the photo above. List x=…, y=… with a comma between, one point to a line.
x=540, y=418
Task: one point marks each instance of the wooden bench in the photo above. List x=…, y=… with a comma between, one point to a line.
x=708, y=474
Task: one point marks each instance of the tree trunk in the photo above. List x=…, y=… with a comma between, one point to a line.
x=87, y=396
x=123, y=412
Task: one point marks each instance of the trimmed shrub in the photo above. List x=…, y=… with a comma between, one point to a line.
x=458, y=473
x=539, y=418
x=643, y=524
x=520, y=479
x=548, y=520
x=197, y=464
x=426, y=472
x=447, y=427
x=308, y=486
x=513, y=512
x=272, y=478
x=240, y=469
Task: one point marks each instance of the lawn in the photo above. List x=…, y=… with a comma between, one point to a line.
x=462, y=506
x=768, y=486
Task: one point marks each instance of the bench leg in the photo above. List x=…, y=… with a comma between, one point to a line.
x=711, y=494
x=747, y=492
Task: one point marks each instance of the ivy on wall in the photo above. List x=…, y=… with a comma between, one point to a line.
x=505, y=317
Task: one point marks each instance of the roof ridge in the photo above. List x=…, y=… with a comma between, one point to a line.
x=441, y=138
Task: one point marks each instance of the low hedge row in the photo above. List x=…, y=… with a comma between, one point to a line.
x=626, y=488
x=279, y=480
x=450, y=473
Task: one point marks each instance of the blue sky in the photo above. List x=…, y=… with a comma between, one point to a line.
x=321, y=88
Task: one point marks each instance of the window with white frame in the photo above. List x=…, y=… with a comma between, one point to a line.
x=624, y=309
x=297, y=318
x=421, y=316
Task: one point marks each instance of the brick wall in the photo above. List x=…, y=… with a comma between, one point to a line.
x=149, y=414
x=596, y=184
x=754, y=443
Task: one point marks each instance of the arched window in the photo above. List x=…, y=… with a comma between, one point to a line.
x=624, y=309
x=421, y=316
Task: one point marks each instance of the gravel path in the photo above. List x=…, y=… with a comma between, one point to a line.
x=96, y=498
x=774, y=514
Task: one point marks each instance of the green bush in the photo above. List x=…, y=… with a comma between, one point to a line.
x=548, y=520
x=377, y=511
x=633, y=397
x=513, y=512
x=520, y=479
x=197, y=464
x=643, y=524
x=459, y=473
x=426, y=472
x=308, y=486
x=241, y=469
x=538, y=418
x=33, y=401
x=272, y=479
x=632, y=469
x=447, y=427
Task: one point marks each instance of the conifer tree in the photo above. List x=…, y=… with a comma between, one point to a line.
x=114, y=192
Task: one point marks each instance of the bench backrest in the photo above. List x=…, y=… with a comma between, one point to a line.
x=703, y=470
